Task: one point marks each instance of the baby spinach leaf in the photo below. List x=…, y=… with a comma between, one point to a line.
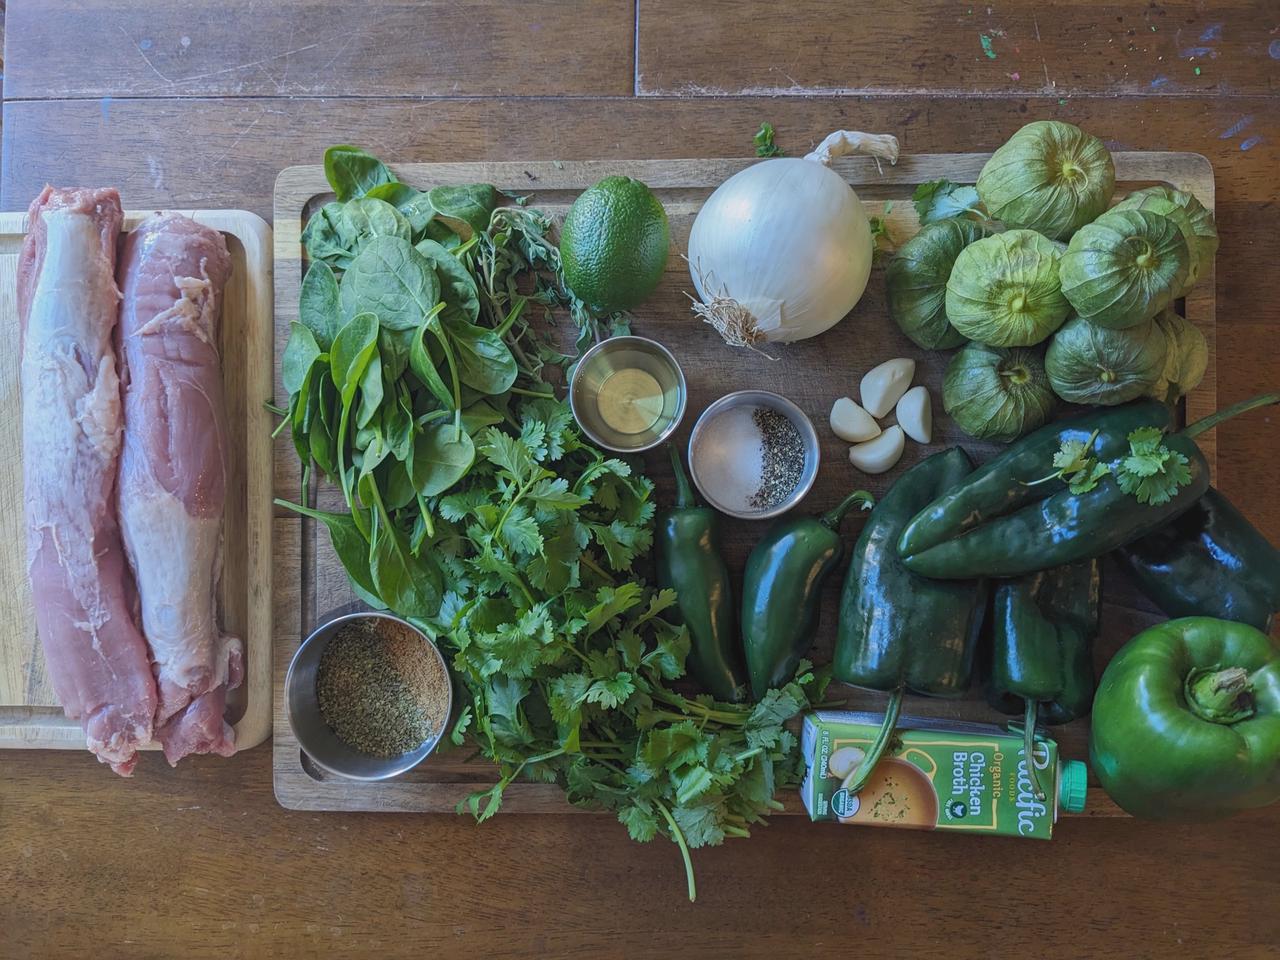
x=485, y=363
x=412, y=203
x=330, y=236
x=468, y=206
x=457, y=286
x=394, y=345
x=397, y=488
x=348, y=543
x=352, y=172
x=441, y=457
x=424, y=367
x=392, y=280
x=371, y=218
x=352, y=348
x=318, y=303
x=479, y=415
x=300, y=353
x=412, y=586
x=370, y=389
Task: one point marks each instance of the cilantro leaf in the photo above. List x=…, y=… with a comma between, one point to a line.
x=1152, y=473
x=940, y=199
x=1076, y=465
x=765, y=147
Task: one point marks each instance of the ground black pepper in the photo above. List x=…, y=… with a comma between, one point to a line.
x=381, y=688
x=782, y=458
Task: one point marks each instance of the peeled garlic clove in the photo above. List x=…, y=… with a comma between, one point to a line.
x=883, y=385
x=851, y=423
x=844, y=761
x=915, y=414
x=880, y=454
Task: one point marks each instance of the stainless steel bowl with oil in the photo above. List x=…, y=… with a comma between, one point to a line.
x=316, y=737
x=628, y=394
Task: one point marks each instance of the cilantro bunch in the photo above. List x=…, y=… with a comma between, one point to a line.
x=567, y=655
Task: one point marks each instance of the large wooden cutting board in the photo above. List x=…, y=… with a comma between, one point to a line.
x=29, y=713
x=814, y=373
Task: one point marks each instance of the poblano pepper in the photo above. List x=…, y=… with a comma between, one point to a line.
x=1004, y=521
x=1209, y=562
x=1042, y=631
x=688, y=557
x=1186, y=722
x=782, y=591
x=899, y=631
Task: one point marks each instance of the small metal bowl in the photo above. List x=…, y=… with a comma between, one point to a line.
x=315, y=736
x=628, y=365
x=721, y=461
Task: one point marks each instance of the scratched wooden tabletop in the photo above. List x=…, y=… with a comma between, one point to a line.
x=201, y=104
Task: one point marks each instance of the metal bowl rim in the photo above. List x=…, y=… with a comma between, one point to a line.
x=427, y=747
x=682, y=391
x=803, y=422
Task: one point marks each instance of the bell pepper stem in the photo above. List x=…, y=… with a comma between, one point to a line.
x=684, y=492
x=1030, y=715
x=872, y=757
x=1220, y=696
x=1205, y=424
x=833, y=516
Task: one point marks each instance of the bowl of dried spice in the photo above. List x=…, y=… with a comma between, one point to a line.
x=368, y=696
x=753, y=454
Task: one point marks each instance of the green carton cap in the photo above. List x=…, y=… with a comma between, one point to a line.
x=1073, y=786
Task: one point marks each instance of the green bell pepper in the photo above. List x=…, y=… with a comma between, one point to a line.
x=1186, y=722
x=899, y=631
x=1042, y=632
x=782, y=591
x=688, y=559
x=1209, y=562
x=1003, y=522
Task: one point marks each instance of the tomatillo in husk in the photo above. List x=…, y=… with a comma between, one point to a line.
x=1186, y=722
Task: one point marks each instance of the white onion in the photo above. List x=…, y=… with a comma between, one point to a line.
x=781, y=251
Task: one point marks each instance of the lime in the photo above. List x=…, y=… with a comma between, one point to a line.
x=614, y=244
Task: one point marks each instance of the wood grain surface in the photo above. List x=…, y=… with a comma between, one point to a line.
x=202, y=862
x=30, y=717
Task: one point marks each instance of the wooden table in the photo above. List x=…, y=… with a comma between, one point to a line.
x=202, y=108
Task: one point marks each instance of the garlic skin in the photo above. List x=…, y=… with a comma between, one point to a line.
x=851, y=423
x=880, y=454
x=915, y=414
x=885, y=384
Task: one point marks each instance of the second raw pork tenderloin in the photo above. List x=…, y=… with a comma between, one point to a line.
x=173, y=472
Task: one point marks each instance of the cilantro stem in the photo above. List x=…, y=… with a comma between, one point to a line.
x=532, y=393
x=595, y=568
x=678, y=836
x=1205, y=424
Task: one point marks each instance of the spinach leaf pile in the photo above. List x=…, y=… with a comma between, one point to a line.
x=474, y=508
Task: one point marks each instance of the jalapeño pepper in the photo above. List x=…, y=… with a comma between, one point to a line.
x=1043, y=627
x=689, y=561
x=1209, y=562
x=1005, y=524
x=899, y=631
x=782, y=591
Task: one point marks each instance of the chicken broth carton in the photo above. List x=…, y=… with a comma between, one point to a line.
x=971, y=778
